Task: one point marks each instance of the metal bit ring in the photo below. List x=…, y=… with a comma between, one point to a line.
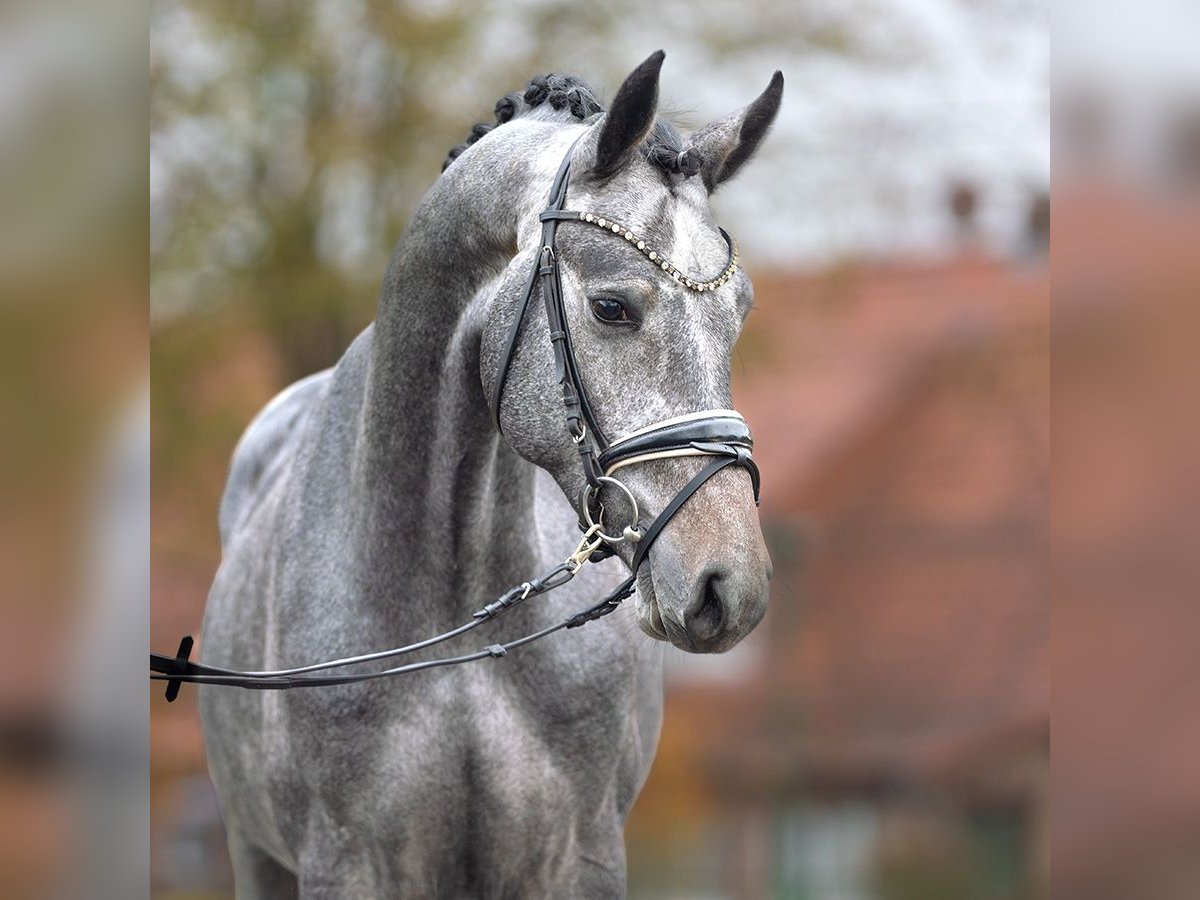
x=591, y=492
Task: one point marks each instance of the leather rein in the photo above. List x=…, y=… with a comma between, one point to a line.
x=720, y=434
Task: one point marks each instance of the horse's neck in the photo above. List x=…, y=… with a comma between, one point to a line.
x=439, y=490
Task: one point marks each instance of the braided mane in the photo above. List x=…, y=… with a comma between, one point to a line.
x=570, y=98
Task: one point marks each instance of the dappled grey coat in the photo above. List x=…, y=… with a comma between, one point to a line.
x=375, y=503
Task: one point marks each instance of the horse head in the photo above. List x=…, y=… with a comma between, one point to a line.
x=653, y=301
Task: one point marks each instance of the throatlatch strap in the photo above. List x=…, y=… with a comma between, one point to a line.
x=510, y=347
x=558, y=193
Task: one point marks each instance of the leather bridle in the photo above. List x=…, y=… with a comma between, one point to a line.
x=721, y=434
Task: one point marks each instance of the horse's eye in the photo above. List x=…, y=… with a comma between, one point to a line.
x=607, y=309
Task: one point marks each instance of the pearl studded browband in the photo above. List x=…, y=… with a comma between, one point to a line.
x=657, y=258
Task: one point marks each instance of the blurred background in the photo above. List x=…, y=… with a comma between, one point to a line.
x=885, y=732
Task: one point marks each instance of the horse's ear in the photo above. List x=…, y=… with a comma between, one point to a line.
x=630, y=117
x=725, y=145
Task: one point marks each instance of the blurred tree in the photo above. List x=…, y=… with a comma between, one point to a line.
x=284, y=137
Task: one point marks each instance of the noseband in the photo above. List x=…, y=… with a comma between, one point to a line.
x=718, y=433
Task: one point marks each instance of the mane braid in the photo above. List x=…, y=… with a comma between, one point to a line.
x=574, y=99
x=566, y=94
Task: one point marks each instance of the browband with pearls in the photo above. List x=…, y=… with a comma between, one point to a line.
x=650, y=253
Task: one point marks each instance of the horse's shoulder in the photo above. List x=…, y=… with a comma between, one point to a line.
x=263, y=446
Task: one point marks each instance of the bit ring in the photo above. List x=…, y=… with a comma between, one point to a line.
x=590, y=492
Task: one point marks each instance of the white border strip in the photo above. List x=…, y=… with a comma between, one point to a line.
x=658, y=454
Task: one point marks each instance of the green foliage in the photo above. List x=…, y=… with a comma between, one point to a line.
x=291, y=141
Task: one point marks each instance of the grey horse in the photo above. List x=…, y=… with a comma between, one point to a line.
x=376, y=503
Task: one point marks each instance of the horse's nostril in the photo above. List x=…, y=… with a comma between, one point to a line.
x=707, y=615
